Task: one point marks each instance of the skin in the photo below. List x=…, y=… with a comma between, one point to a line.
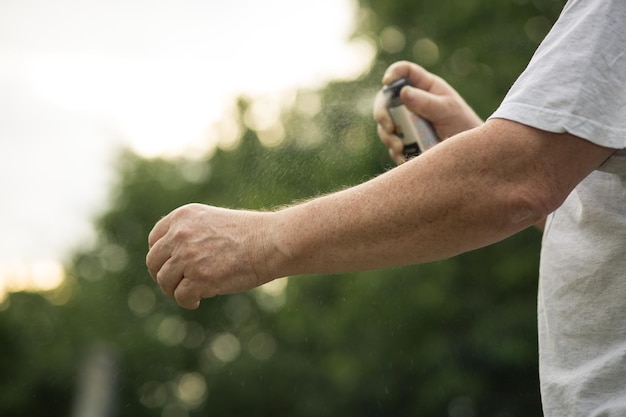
x=485, y=182
x=432, y=98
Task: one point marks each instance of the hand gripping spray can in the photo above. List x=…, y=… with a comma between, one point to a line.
x=417, y=134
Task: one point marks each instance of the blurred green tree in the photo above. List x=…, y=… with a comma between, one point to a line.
x=450, y=338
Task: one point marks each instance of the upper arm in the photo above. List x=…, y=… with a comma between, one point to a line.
x=541, y=167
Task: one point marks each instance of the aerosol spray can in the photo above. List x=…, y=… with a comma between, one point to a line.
x=417, y=134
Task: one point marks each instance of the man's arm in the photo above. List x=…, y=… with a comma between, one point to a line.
x=472, y=190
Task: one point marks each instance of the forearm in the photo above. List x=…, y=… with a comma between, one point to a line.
x=434, y=207
x=472, y=190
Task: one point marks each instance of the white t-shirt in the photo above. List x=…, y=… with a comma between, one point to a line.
x=576, y=83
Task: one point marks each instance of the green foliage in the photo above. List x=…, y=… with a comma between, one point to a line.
x=450, y=338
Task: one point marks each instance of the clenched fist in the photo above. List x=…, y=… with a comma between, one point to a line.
x=198, y=251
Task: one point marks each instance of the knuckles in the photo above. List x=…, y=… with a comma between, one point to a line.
x=180, y=234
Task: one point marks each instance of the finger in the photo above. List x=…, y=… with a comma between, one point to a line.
x=390, y=140
x=157, y=256
x=169, y=277
x=394, y=144
x=381, y=113
x=396, y=157
x=186, y=296
x=427, y=105
x=417, y=75
x=159, y=230
x=400, y=69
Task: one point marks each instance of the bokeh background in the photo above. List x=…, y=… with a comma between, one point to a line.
x=114, y=113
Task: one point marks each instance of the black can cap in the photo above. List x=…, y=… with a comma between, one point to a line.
x=392, y=91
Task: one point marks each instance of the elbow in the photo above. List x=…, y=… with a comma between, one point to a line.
x=528, y=208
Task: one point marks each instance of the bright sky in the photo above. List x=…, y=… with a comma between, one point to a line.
x=77, y=77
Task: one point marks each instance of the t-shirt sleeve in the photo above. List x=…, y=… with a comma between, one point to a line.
x=576, y=80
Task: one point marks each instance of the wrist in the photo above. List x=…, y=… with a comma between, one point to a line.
x=270, y=257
